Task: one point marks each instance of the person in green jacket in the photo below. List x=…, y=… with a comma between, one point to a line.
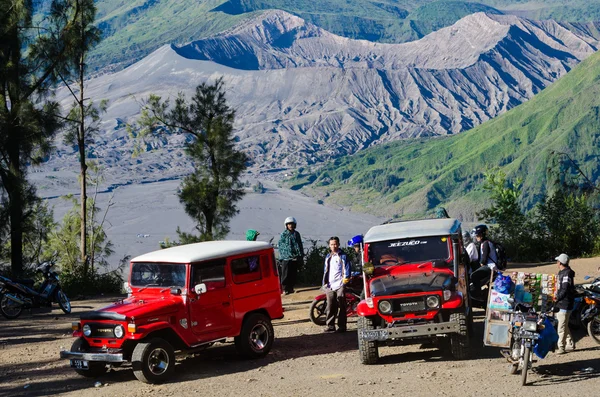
x=251, y=234
x=291, y=255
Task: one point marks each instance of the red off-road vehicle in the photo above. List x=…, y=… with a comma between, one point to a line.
x=415, y=288
x=183, y=299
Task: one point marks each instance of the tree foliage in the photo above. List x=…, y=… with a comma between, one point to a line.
x=32, y=58
x=562, y=222
x=210, y=193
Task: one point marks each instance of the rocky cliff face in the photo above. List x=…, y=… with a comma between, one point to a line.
x=304, y=95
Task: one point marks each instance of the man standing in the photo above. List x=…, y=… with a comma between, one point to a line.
x=487, y=261
x=291, y=254
x=565, y=298
x=336, y=274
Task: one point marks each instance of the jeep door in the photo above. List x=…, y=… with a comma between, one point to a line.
x=211, y=312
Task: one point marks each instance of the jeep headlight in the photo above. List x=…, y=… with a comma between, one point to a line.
x=87, y=330
x=385, y=307
x=119, y=331
x=530, y=326
x=433, y=301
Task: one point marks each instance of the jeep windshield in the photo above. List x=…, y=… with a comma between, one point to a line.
x=157, y=275
x=411, y=250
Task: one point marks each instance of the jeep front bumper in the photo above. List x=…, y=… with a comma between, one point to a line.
x=409, y=331
x=104, y=357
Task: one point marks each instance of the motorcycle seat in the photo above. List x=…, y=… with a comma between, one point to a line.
x=26, y=281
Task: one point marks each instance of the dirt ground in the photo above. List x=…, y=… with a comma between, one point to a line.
x=303, y=362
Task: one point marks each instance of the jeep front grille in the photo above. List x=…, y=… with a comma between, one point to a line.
x=409, y=305
x=103, y=330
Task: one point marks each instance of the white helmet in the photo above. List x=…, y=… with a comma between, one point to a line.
x=290, y=219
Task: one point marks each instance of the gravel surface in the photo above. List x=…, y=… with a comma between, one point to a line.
x=303, y=362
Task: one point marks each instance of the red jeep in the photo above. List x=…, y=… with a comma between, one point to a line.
x=183, y=299
x=415, y=288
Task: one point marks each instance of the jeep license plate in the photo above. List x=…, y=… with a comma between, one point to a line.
x=79, y=364
x=376, y=334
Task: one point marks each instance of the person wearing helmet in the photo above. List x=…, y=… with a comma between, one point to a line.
x=487, y=261
x=291, y=255
x=356, y=243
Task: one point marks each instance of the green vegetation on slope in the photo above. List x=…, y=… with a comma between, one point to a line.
x=412, y=177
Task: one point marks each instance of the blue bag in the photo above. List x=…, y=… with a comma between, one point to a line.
x=503, y=284
x=548, y=338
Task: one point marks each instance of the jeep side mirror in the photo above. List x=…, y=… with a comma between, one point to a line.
x=200, y=288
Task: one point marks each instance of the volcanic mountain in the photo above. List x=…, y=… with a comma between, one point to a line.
x=303, y=95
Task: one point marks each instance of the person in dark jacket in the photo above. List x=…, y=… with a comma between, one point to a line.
x=565, y=298
x=291, y=255
x=335, y=276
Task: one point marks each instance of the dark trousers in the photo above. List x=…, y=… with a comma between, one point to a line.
x=289, y=272
x=479, y=278
x=336, y=300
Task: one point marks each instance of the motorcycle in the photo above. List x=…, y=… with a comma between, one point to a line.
x=531, y=333
x=354, y=288
x=591, y=316
x=20, y=294
x=580, y=306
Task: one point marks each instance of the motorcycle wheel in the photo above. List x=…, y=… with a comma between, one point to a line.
x=9, y=309
x=526, y=357
x=593, y=329
x=63, y=302
x=317, y=312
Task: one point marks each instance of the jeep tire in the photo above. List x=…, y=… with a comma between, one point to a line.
x=368, y=350
x=153, y=361
x=95, y=368
x=256, y=337
x=459, y=342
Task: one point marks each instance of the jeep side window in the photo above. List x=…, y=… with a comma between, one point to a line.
x=211, y=273
x=246, y=269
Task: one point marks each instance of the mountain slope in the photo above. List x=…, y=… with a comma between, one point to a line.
x=413, y=177
x=135, y=28
x=312, y=96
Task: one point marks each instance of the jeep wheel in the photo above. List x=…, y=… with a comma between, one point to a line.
x=256, y=338
x=369, y=351
x=459, y=342
x=317, y=312
x=95, y=368
x=153, y=361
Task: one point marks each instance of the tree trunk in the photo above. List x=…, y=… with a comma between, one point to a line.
x=82, y=164
x=16, y=230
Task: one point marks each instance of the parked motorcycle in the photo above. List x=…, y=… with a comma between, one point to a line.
x=20, y=294
x=580, y=306
x=354, y=288
x=531, y=332
x=591, y=316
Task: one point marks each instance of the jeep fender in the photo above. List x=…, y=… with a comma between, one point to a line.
x=455, y=302
x=163, y=330
x=365, y=311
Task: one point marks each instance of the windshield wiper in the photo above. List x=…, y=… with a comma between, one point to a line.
x=148, y=285
x=168, y=288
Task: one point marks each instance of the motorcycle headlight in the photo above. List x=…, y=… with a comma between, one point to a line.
x=433, y=301
x=87, y=331
x=119, y=331
x=385, y=307
x=530, y=326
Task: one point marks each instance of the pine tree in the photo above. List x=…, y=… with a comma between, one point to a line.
x=210, y=193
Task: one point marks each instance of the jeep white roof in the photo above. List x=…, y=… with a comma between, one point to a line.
x=410, y=229
x=197, y=252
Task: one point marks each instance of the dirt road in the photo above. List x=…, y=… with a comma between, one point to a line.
x=303, y=362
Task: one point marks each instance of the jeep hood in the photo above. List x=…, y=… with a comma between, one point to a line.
x=404, y=283
x=136, y=307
